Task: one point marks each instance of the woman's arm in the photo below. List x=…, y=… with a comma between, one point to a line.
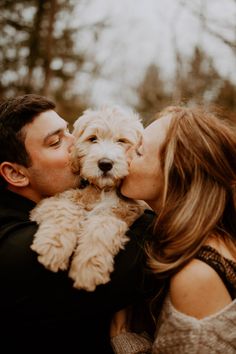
x=198, y=291
x=123, y=340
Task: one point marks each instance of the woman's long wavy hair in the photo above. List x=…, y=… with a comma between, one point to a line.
x=199, y=167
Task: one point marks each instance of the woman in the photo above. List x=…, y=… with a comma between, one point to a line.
x=185, y=169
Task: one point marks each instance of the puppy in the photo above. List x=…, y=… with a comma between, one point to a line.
x=83, y=229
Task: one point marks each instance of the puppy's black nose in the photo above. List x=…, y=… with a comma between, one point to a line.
x=105, y=165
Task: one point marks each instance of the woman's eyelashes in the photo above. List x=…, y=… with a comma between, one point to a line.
x=138, y=151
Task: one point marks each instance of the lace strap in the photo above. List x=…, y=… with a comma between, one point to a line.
x=225, y=268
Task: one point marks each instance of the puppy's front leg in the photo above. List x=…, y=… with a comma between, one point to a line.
x=56, y=237
x=100, y=239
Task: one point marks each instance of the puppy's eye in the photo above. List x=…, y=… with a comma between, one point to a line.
x=92, y=139
x=123, y=141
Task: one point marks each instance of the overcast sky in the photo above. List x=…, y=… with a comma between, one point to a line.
x=140, y=32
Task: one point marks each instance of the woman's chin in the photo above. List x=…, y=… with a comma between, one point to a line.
x=123, y=189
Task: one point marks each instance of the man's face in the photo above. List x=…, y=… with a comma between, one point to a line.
x=48, y=143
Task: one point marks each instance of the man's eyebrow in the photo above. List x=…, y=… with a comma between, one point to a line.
x=55, y=132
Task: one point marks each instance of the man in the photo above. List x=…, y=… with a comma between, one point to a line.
x=40, y=311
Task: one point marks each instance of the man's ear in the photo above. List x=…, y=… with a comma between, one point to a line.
x=14, y=174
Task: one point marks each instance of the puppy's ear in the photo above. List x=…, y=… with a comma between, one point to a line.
x=14, y=174
x=75, y=166
x=81, y=123
x=79, y=128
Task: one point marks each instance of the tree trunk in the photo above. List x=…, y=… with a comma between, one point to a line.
x=49, y=47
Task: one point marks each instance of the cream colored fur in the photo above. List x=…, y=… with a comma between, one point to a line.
x=83, y=229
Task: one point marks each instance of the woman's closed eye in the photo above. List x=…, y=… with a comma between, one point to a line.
x=138, y=151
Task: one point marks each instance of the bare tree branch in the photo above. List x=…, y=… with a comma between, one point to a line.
x=205, y=22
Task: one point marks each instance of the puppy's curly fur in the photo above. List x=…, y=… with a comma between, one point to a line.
x=83, y=229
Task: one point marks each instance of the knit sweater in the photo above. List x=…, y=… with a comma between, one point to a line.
x=179, y=333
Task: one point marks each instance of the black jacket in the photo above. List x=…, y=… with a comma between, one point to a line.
x=40, y=311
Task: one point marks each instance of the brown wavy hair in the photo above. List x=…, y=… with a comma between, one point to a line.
x=198, y=159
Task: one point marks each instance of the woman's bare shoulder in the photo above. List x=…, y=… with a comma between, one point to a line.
x=198, y=291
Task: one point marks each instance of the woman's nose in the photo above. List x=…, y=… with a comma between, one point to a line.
x=129, y=154
x=71, y=140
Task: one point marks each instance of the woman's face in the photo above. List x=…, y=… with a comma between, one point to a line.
x=145, y=179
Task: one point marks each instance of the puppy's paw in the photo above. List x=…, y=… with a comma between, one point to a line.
x=51, y=257
x=54, y=253
x=91, y=273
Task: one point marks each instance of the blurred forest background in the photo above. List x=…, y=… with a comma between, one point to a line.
x=51, y=47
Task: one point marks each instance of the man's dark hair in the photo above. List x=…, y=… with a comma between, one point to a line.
x=15, y=113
